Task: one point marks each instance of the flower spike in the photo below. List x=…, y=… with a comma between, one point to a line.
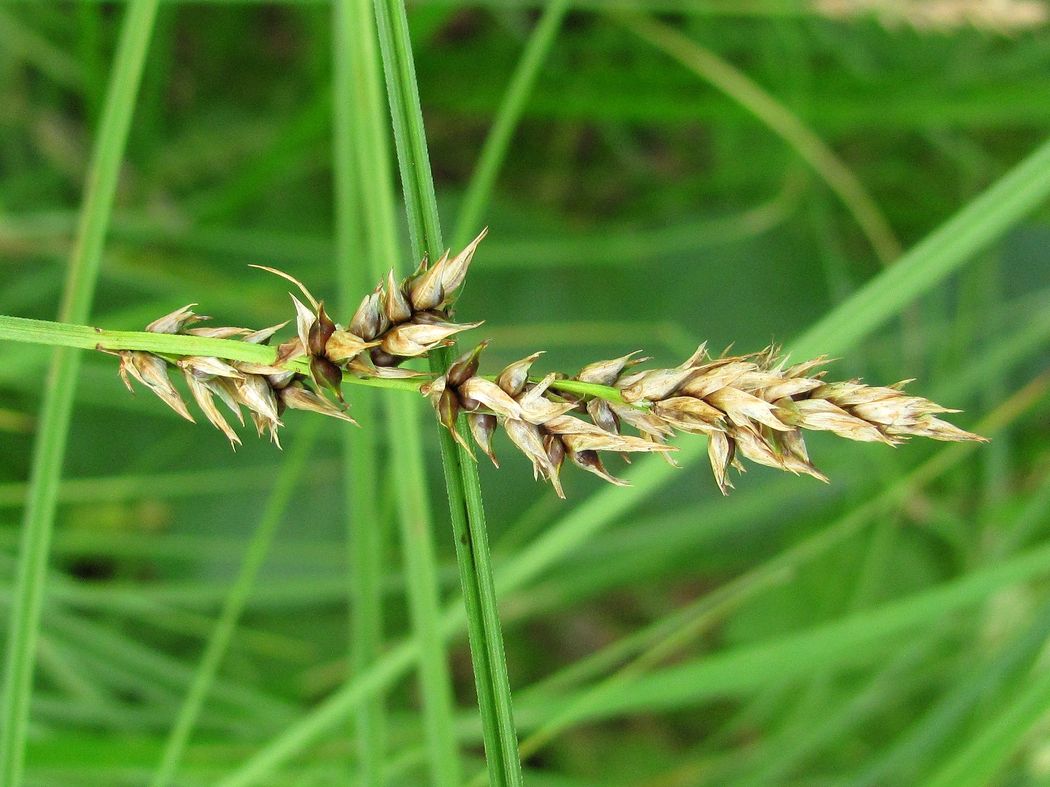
x=752, y=407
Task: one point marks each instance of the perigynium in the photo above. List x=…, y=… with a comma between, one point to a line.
x=753, y=406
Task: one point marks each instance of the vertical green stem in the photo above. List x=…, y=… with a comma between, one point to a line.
x=49, y=450
x=363, y=92
x=361, y=450
x=461, y=479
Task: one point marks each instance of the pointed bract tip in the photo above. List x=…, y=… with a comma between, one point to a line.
x=292, y=279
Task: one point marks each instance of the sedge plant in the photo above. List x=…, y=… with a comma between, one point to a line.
x=747, y=406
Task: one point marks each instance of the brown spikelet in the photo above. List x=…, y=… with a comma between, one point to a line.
x=535, y=419
x=203, y=395
x=265, y=390
x=152, y=372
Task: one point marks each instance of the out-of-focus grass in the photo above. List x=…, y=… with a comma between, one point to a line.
x=635, y=207
x=56, y=410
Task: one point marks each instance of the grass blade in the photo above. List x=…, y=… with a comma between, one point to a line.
x=902, y=760
x=49, y=449
x=350, y=29
x=971, y=230
x=846, y=641
x=461, y=478
x=367, y=142
x=233, y=607
x=493, y=152
x=811, y=148
x=977, y=762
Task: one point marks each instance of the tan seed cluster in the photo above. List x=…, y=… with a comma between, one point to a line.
x=264, y=391
x=397, y=321
x=393, y=323
x=535, y=419
x=753, y=406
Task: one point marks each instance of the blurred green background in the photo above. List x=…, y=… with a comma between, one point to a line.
x=794, y=633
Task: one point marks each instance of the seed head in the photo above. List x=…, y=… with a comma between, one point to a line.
x=396, y=307
x=608, y=372
x=344, y=345
x=320, y=331
x=208, y=367
x=482, y=427
x=752, y=406
x=513, y=377
x=411, y=339
x=297, y=396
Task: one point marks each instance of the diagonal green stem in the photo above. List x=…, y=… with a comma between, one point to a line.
x=461, y=479
x=810, y=147
x=494, y=151
x=49, y=449
x=972, y=230
x=225, y=627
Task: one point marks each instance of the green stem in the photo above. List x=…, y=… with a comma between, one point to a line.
x=369, y=139
x=781, y=120
x=22, y=329
x=364, y=522
x=461, y=480
x=49, y=449
x=494, y=151
x=218, y=644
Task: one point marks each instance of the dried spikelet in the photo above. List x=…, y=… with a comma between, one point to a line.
x=998, y=16
x=369, y=320
x=398, y=320
x=536, y=422
x=435, y=286
x=482, y=427
x=176, y=321
x=209, y=367
x=297, y=396
x=755, y=407
x=152, y=372
x=394, y=322
x=410, y=339
x=203, y=395
x=264, y=389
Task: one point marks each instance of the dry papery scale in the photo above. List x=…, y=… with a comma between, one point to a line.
x=754, y=406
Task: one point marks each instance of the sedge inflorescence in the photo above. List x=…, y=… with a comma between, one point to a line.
x=754, y=406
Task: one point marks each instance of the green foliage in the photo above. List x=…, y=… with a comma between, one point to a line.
x=885, y=629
